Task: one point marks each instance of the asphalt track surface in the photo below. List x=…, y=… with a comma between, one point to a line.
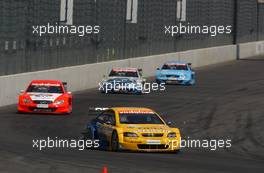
x=227, y=102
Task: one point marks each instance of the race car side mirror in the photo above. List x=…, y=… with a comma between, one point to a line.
x=21, y=91
x=108, y=123
x=69, y=92
x=158, y=68
x=169, y=123
x=65, y=85
x=190, y=64
x=140, y=71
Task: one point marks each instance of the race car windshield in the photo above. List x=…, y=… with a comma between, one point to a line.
x=174, y=67
x=45, y=89
x=123, y=74
x=139, y=118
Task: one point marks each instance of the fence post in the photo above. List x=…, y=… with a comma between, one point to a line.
x=235, y=21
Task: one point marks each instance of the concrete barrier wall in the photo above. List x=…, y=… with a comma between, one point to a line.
x=252, y=49
x=88, y=76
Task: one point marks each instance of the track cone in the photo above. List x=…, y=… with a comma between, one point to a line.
x=105, y=170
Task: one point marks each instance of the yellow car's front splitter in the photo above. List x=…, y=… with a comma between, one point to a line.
x=150, y=145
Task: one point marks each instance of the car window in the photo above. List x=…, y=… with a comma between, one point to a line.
x=111, y=116
x=45, y=89
x=102, y=118
x=107, y=116
x=114, y=73
x=174, y=67
x=138, y=118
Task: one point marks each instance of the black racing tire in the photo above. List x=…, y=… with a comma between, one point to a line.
x=158, y=81
x=115, y=142
x=19, y=112
x=177, y=151
x=140, y=93
x=67, y=113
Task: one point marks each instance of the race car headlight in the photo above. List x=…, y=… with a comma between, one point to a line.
x=59, y=102
x=171, y=135
x=26, y=101
x=182, y=77
x=139, y=84
x=130, y=134
x=130, y=85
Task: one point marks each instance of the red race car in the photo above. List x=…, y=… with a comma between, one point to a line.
x=45, y=96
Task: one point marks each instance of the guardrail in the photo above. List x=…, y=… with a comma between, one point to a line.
x=88, y=76
x=252, y=49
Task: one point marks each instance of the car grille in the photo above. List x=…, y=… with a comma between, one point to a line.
x=152, y=134
x=176, y=76
x=42, y=102
x=153, y=147
x=47, y=110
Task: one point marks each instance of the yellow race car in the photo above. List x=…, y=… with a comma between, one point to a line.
x=134, y=129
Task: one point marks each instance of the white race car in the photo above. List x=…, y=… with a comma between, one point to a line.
x=123, y=80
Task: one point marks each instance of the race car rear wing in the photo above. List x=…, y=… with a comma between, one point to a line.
x=94, y=111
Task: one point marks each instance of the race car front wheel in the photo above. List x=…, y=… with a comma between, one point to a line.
x=114, y=142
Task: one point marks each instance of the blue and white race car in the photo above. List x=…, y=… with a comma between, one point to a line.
x=121, y=85
x=123, y=80
x=176, y=72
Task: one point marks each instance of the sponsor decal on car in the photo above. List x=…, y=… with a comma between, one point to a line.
x=43, y=96
x=45, y=84
x=125, y=69
x=135, y=112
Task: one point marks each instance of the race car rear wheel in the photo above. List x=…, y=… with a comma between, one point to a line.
x=114, y=142
x=19, y=112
